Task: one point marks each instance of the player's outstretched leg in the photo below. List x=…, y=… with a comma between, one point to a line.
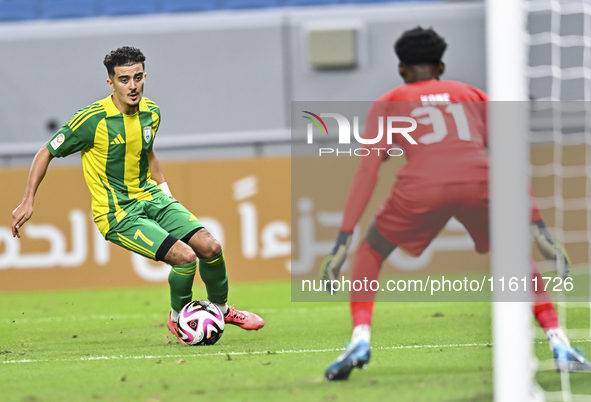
x=180, y=280
x=357, y=354
x=566, y=358
x=212, y=269
x=366, y=265
x=213, y=273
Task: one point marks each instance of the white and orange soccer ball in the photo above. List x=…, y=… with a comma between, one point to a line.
x=200, y=323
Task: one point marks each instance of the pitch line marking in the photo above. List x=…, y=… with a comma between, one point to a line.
x=121, y=357
x=93, y=317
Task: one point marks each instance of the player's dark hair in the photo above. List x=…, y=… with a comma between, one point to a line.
x=420, y=46
x=124, y=56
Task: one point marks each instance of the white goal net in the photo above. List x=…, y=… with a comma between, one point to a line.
x=559, y=79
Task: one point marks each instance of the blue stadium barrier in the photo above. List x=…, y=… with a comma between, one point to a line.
x=373, y=1
x=384, y=1
x=312, y=2
x=240, y=4
x=180, y=6
x=18, y=10
x=130, y=7
x=52, y=9
x=15, y=10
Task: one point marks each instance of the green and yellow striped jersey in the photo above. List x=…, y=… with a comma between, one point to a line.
x=114, y=148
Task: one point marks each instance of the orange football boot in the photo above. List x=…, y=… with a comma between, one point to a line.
x=244, y=319
x=172, y=328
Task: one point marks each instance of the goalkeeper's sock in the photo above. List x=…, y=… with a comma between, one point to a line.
x=366, y=266
x=546, y=315
x=362, y=313
x=180, y=280
x=174, y=315
x=213, y=274
x=556, y=336
x=361, y=332
x=541, y=294
x=544, y=310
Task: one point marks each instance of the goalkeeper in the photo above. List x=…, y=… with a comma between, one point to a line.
x=446, y=175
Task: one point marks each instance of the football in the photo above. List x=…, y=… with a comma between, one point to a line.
x=200, y=323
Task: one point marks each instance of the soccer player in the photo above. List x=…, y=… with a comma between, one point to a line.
x=446, y=175
x=131, y=202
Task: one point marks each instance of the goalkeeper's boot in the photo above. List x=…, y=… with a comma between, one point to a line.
x=243, y=319
x=356, y=355
x=172, y=327
x=569, y=359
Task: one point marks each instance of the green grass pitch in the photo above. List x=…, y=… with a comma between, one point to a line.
x=113, y=345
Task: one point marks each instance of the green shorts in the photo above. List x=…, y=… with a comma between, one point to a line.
x=150, y=228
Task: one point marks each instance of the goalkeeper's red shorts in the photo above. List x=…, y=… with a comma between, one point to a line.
x=413, y=214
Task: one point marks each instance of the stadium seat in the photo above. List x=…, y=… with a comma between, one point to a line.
x=52, y=9
x=180, y=6
x=130, y=7
x=15, y=10
x=239, y=4
x=312, y=2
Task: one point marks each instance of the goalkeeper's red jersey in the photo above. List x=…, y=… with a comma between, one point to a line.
x=451, y=139
x=451, y=130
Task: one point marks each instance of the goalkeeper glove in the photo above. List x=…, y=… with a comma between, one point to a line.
x=331, y=265
x=562, y=261
x=551, y=250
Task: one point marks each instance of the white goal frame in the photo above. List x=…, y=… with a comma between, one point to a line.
x=506, y=49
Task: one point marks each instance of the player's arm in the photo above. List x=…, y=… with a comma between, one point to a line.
x=366, y=176
x=24, y=211
x=157, y=174
x=65, y=142
x=358, y=197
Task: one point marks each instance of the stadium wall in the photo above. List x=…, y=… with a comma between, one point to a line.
x=215, y=72
x=243, y=203
x=246, y=204
x=269, y=221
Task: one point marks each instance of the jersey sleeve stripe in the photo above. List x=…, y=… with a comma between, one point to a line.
x=89, y=115
x=155, y=121
x=83, y=113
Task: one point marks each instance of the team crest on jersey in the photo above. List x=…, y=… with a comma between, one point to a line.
x=148, y=133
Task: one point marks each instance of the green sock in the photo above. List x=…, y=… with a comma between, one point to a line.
x=180, y=280
x=213, y=274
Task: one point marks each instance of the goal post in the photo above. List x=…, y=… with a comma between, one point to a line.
x=508, y=142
